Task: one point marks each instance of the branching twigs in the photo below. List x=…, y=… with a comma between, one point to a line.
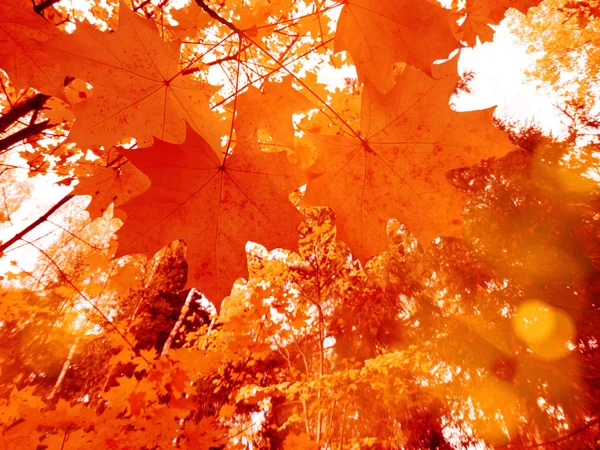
x=202, y=4
x=283, y=67
x=31, y=105
x=270, y=72
x=34, y=103
x=23, y=134
x=44, y=5
x=88, y=301
x=149, y=13
x=74, y=235
x=35, y=224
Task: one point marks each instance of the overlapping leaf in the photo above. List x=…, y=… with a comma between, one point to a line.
x=108, y=185
x=191, y=20
x=379, y=34
x=480, y=14
x=270, y=109
x=21, y=56
x=139, y=89
x=396, y=168
x=216, y=207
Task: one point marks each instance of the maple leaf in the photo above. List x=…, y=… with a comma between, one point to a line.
x=252, y=16
x=11, y=302
x=379, y=34
x=139, y=90
x=299, y=442
x=205, y=435
x=480, y=14
x=137, y=401
x=409, y=139
x=108, y=185
x=21, y=33
x=191, y=21
x=213, y=205
x=270, y=110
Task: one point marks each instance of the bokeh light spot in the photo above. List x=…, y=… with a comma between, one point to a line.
x=547, y=330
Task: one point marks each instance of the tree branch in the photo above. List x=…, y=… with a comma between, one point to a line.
x=184, y=309
x=35, y=224
x=44, y=5
x=202, y=4
x=31, y=104
x=23, y=134
x=65, y=368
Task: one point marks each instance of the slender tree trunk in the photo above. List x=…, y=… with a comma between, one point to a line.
x=64, y=370
x=184, y=310
x=210, y=327
x=321, y=357
x=330, y=425
x=305, y=410
x=343, y=428
x=130, y=321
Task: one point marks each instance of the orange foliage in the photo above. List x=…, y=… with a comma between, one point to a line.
x=271, y=259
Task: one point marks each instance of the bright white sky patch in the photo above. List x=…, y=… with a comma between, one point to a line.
x=500, y=79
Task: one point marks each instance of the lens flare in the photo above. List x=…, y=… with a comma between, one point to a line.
x=545, y=329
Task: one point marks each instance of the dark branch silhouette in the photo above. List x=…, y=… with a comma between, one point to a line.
x=44, y=5
x=34, y=103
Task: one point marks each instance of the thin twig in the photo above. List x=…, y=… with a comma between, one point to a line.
x=35, y=224
x=202, y=4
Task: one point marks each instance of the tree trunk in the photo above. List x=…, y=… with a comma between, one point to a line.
x=184, y=310
x=64, y=370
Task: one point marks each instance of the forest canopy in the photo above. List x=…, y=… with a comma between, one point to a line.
x=283, y=224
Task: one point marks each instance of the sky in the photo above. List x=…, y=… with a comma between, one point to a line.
x=500, y=79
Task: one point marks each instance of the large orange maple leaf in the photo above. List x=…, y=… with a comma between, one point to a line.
x=21, y=56
x=139, y=89
x=380, y=33
x=409, y=139
x=215, y=206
